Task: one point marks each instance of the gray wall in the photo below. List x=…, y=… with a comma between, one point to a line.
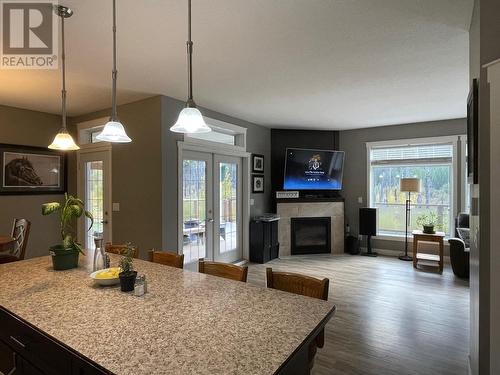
x=258, y=142
x=137, y=170
x=23, y=127
x=353, y=142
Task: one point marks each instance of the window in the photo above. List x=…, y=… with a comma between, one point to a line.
x=432, y=161
x=223, y=134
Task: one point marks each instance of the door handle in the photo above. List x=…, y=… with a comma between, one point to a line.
x=104, y=221
x=210, y=220
x=18, y=342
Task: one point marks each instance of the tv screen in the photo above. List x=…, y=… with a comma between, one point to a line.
x=313, y=169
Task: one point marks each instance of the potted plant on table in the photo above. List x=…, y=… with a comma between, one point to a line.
x=427, y=221
x=127, y=274
x=65, y=255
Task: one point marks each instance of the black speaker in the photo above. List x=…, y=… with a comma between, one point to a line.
x=368, y=221
x=368, y=227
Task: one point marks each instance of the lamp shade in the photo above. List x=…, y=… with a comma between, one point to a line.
x=113, y=132
x=63, y=141
x=410, y=185
x=190, y=121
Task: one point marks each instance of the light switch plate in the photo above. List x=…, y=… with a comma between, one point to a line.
x=360, y=199
x=116, y=207
x=252, y=201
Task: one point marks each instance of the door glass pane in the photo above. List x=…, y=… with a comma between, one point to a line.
x=94, y=200
x=228, y=207
x=194, y=204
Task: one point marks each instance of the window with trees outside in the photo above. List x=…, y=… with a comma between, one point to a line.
x=432, y=164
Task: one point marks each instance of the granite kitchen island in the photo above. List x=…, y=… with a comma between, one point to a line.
x=189, y=323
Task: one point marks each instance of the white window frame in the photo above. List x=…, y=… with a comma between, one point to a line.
x=239, y=133
x=456, y=201
x=86, y=128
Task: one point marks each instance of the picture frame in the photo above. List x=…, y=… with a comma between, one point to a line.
x=257, y=184
x=29, y=170
x=257, y=163
x=473, y=134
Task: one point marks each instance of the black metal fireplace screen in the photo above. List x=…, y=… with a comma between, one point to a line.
x=311, y=235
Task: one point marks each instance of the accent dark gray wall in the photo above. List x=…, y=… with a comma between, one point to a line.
x=281, y=139
x=353, y=142
x=258, y=142
x=30, y=128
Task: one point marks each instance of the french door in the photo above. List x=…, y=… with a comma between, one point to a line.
x=94, y=187
x=211, y=207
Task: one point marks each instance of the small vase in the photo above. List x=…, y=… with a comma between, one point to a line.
x=64, y=259
x=429, y=229
x=127, y=282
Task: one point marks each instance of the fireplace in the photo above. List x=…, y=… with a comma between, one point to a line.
x=310, y=235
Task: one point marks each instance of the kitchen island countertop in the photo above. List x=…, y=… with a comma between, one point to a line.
x=188, y=323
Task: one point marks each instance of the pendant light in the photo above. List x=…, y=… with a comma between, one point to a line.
x=113, y=130
x=63, y=140
x=190, y=119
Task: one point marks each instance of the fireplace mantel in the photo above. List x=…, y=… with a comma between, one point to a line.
x=305, y=207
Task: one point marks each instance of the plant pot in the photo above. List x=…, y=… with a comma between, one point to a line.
x=127, y=282
x=64, y=259
x=429, y=229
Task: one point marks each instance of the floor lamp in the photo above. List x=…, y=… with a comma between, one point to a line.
x=408, y=185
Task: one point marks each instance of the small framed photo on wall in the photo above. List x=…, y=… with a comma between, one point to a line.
x=257, y=163
x=257, y=184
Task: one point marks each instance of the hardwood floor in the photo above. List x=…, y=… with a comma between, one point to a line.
x=390, y=319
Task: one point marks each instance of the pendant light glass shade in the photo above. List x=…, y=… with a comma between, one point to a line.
x=63, y=141
x=113, y=132
x=190, y=121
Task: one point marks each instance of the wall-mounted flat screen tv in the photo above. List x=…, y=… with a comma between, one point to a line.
x=307, y=169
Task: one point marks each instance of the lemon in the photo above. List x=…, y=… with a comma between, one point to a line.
x=109, y=273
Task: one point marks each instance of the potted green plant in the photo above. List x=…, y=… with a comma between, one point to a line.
x=127, y=274
x=427, y=221
x=65, y=255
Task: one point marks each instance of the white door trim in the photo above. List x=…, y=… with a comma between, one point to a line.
x=86, y=149
x=245, y=194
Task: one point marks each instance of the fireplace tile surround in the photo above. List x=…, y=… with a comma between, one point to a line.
x=296, y=208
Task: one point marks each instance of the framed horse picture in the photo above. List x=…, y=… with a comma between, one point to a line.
x=31, y=170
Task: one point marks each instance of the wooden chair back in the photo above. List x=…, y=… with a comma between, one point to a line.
x=120, y=249
x=306, y=286
x=20, y=233
x=226, y=270
x=166, y=258
x=298, y=284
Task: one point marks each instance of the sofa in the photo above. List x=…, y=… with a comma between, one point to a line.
x=460, y=246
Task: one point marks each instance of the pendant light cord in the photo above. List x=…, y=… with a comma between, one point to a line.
x=63, y=92
x=114, y=74
x=189, y=43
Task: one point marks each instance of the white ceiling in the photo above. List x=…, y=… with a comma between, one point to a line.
x=324, y=64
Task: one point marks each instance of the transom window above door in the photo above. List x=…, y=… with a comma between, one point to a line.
x=223, y=134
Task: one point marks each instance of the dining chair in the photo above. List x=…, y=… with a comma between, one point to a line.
x=306, y=286
x=20, y=234
x=226, y=270
x=166, y=258
x=120, y=249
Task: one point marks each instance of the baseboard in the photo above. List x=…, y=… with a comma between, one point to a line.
x=396, y=253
